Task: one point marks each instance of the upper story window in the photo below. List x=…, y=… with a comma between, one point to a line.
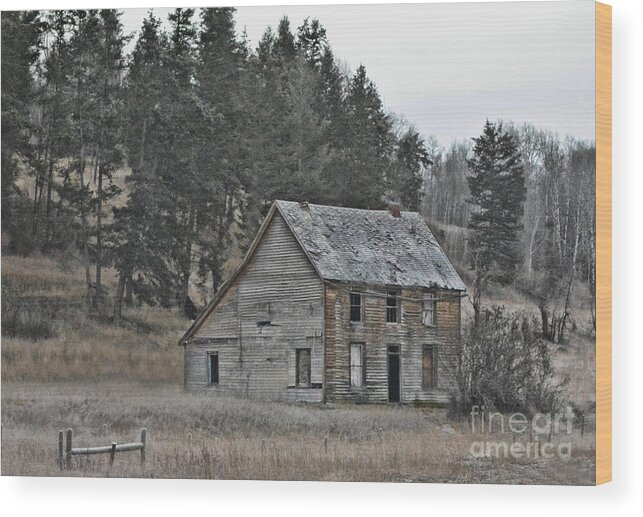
x=392, y=307
x=429, y=314
x=357, y=309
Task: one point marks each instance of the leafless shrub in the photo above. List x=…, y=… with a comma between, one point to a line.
x=505, y=365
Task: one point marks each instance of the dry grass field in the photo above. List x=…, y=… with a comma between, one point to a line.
x=107, y=382
x=242, y=439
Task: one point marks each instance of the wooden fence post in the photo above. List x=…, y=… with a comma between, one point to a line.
x=143, y=438
x=61, y=446
x=325, y=444
x=68, y=447
x=64, y=458
x=111, y=455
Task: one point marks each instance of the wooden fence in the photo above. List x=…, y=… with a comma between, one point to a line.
x=66, y=450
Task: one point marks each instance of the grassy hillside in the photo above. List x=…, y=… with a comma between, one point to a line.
x=47, y=334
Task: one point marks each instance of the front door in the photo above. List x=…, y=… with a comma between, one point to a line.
x=393, y=373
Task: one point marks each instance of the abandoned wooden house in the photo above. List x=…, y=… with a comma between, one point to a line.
x=332, y=304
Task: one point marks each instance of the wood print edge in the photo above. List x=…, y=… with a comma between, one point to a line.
x=603, y=243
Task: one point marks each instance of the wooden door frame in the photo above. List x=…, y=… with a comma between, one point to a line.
x=388, y=372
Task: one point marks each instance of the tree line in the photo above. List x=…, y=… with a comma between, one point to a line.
x=211, y=130
x=160, y=156
x=517, y=206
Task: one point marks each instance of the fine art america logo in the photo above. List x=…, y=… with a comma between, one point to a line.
x=530, y=438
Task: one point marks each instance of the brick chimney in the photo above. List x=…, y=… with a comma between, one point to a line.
x=394, y=208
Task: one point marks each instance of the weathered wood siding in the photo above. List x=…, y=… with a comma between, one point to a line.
x=376, y=334
x=278, y=284
x=196, y=365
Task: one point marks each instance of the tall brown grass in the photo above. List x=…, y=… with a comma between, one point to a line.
x=48, y=335
x=244, y=439
x=90, y=350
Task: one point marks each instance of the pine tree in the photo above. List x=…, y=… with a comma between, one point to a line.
x=266, y=84
x=179, y=169
x=55, y=130
x=303, y=151
x=93, y=70
x=77, y=193
x=222, y=153
x=497, y=187
x=408, y=178
x=21, y=34
x=264, y=50
x=135, y=238
x=284, y=47
x=51, y=130
x=109, y=112
x=311, y=41
x=357, y=174
x=330, y=104
x=143, y=93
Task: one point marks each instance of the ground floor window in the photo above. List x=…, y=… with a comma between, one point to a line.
x=213, y=367
x=357, y=365
x=429, y=366
x=303, y=367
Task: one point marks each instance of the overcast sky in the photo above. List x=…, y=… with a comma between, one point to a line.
x=447, y=67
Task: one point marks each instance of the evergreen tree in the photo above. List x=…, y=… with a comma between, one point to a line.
x=266, y=87
x=179, y=168
x=56, y=133
x=94, y=70
x=331, y=105
x=357, y=175
x=284, y=46
x=144, y=91
x=136, y=237
x=21, y=35
x=497, y=187
x=302, y=150
x=264, y=51
x=412, y=160
x=77, y=193
x=312, y=42
x=52, y=130
x=222, y=147
x=109, y=111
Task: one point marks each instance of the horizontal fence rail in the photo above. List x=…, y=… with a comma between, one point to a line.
x=66, y=449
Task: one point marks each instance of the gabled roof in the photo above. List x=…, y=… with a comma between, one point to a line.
x=370, y=246
x=358, y=246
